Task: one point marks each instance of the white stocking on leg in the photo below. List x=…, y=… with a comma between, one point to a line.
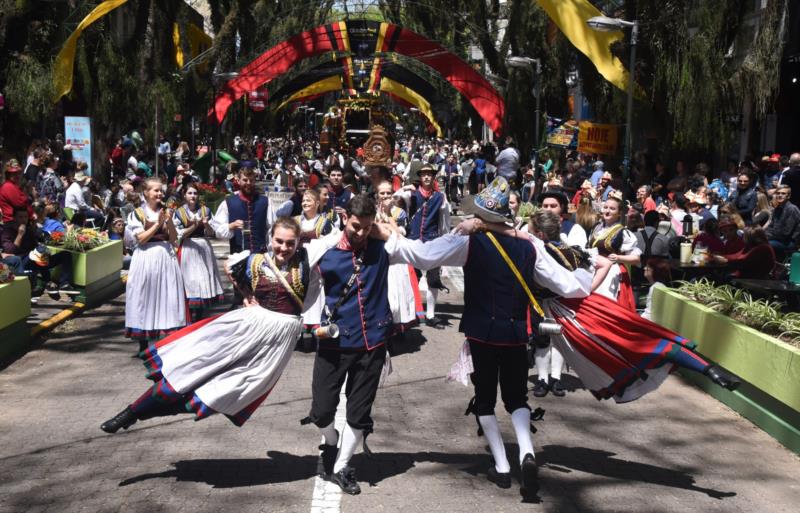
x=521, y=418
x=557, y=363
x=491, y=430
x=350, y=440
x=430, y=302
x=542, y=357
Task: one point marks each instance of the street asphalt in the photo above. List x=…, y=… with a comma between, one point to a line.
x=675, y=450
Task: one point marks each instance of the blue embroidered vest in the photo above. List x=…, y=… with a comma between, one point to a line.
x=495, y=304
x=364, y=318
x=424, y=216
x=256, y=213
x=339, y=200
x=566, y=226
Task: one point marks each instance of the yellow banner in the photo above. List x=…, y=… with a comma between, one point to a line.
x=326, y=85
x=65, y=61
x=594, y=138
x=571, y=17
x=199, y=42
x=390, y=86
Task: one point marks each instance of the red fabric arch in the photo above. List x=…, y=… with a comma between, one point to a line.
x=392, y=38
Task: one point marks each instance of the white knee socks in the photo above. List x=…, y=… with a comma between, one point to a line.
x=556, y=363
x=542, y=357
x=350, y=440
x=329, y=436
x=430, y=302
x=521, y=418
x=549, y=362
x=491, y=430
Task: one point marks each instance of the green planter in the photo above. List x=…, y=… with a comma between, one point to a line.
x=95, y=264
x=15, y=307
x=770, y=369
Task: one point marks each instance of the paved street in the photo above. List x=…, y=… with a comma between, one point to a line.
x=676, y=450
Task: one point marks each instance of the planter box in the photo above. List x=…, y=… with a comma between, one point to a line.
x=15, y=307
x=96, y=264
x=770, y=369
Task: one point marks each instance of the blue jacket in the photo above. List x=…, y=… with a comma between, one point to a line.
x=339, y=200
x=256, y=213
x=423, y=216
x=495, y=304
x=364, y=318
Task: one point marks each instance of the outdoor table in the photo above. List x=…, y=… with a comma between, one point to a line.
x=782, y=289
x=714, y=270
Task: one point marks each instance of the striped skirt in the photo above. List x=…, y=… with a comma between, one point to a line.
x=614, y=351
x=226, y=364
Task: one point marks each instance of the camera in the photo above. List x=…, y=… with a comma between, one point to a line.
x=542, y=331
x=326, y=332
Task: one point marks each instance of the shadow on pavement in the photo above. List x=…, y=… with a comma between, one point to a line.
x=602, y=463
x=279, y=467
x=408, y=342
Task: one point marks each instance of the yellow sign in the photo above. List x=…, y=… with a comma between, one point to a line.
x=594, y=138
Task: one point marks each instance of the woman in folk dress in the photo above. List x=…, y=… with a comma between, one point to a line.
x=313, y=224
x=154, y=294
x=404, y=297
x=229, y=363
x=196, y=255
x=611, y=239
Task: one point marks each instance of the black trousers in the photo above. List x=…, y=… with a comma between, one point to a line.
x=506, y=364
x=361, y=369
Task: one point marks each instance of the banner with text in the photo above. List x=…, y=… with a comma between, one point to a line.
x=595, y=138
x=562, y=133
x=78, y=134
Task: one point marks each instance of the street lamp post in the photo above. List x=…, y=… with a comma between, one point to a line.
x=606, y=24
x=535, y=65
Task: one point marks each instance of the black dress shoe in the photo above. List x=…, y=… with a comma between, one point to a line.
x=501, y=479
x=434, y=322
x=722, y=377
x=540, y=389
x=124, y=419
x=327, y=458
x=529, y=475
x=346, y=479
x=556, y=388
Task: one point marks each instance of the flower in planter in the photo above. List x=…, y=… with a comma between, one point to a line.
x=79, y=239
x=6, y=274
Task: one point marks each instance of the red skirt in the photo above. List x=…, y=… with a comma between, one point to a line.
x=616, y=352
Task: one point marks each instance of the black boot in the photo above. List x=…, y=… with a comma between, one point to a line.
x=541, y=388
x=556, y=388
x=327, y=458
x=124, y=419
x=501, y=479
x=346, y=479
x=722, y=377
x=529, y=475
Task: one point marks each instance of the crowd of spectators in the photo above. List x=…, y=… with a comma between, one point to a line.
x=746, y=213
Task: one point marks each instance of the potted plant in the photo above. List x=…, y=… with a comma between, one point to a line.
x=94, y=256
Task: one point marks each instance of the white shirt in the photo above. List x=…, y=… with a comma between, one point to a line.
x=74, y=198
x=453, y=250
